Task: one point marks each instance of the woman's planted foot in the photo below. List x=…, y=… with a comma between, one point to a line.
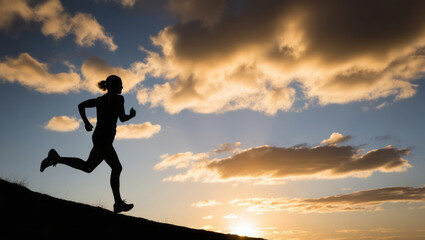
x=122, y=207
x=51, y=160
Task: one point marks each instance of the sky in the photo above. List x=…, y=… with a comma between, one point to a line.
x=275, y=119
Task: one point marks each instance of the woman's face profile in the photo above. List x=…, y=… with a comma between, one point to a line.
x=117, y=87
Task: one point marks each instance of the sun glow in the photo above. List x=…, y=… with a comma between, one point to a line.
x=244, y=229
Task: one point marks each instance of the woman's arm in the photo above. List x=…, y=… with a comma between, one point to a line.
x=121, y=112
x=124, y=117
x=82, y=109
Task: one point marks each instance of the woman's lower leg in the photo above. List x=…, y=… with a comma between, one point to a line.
x=74, y=162
x=115, y=184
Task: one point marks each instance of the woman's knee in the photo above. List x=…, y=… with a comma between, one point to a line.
x=117, y=169
x=89, y=168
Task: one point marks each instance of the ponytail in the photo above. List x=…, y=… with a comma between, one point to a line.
x=110, y=82
x=102, y=85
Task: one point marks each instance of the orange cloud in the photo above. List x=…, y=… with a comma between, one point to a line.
x=137, y=131
x=33, y=74
x=227, y=148
x=63, y=124
x=260, y=56
x=56, y=22
x=205, y=203
x=126, y=131
x=275, y=165
x=368, y=200
x=96, y=69
x=219, y=59
x=10, y=10
x=179, y=160
x=208, y=12
x=335, y=139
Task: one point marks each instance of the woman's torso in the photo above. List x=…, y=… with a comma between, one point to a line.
x=107, y=107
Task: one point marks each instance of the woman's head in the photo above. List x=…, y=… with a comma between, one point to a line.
x=112, y=83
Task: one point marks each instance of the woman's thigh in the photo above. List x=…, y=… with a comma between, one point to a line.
x=95, y=158
x=111, y=158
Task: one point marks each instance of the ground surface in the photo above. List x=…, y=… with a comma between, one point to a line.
x=27, y=214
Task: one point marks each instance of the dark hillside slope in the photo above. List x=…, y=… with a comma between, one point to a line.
x=31, y=215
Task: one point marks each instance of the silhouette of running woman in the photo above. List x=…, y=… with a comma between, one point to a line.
x=109, y=108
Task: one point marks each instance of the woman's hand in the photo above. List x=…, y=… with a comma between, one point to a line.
x=132, y=113
x=82, y=109
x=88, y=126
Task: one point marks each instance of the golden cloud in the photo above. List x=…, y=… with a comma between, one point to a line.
x=208, y=12
x=368, y=200
x=275, y=165
x=253, y=56
x=31, y=73
x=179, y=160
x=10, y=10
x=126, y=131
x=335, y=139
x=205, y=203
x=63, y=124
x=137, y=131
x=95, y=69
x=56, y=22
x=227, y=148
x=263, y=56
